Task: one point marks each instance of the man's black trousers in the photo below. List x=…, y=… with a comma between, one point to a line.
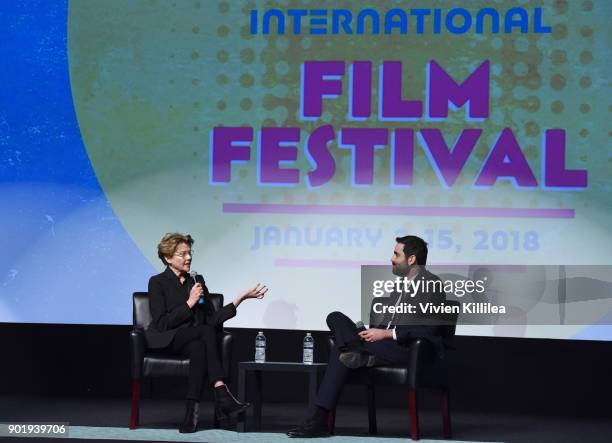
x=387, y=352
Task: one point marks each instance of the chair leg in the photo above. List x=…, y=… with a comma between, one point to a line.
x=414, y=414
x=372, y=428
x=446, y=419
x=331, y=421
x=135, y=414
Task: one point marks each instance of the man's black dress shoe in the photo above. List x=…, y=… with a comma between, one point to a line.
x=310, y=429
x=357, y=359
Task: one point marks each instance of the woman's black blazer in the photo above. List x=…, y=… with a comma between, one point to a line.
x=170, y=312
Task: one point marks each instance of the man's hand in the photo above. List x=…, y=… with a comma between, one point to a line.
x=375, y=334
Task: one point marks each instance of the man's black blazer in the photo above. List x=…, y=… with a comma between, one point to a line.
x=170, y=312
x=409, y=327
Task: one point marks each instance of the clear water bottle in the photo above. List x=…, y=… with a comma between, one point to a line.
x=260, y=348
x=308, y=355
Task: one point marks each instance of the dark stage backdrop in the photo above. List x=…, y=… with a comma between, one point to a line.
x=542, y=376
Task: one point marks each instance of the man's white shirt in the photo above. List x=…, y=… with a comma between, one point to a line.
x=399, y=300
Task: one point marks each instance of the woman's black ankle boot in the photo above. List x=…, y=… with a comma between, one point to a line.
x=226, y=404
x=190, y=422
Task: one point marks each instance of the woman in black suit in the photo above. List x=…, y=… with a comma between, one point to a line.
x=184, y=323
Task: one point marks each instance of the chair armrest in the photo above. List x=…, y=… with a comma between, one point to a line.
x=423, y=358
x=137, y=352
x=416, y=352
x=226, y=346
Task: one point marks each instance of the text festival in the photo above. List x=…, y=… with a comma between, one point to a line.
x=277, y=147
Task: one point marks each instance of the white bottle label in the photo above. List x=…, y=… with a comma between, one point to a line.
x=308, y=356
x=260, y=354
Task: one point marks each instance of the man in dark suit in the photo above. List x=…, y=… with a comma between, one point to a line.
x=386, y=343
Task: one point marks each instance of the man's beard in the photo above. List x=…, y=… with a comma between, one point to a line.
x=401, y=270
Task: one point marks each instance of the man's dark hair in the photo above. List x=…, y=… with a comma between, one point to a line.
x=416, y=246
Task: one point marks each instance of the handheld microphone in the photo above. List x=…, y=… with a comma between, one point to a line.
x=360, y=326
x=194, y=274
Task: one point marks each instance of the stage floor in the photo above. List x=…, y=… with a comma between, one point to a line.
x=106, y=420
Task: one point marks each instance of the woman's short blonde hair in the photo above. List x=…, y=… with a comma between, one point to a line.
x=168, y=244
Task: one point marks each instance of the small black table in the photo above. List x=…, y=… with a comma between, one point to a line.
x=273, y=366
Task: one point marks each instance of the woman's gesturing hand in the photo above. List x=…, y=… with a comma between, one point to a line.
x=259, y=291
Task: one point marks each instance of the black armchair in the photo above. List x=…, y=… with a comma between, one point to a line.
x=428, y=369
x=149, y=363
